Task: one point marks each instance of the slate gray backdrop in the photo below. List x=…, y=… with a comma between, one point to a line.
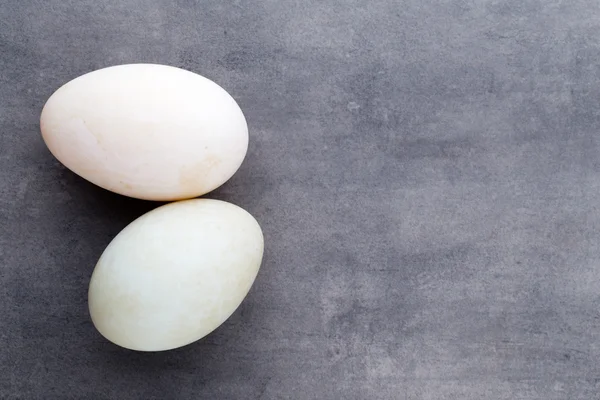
x=427, y=175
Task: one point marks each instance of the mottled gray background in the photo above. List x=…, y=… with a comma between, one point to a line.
x=427, y=175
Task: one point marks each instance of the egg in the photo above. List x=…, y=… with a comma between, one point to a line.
x=175, y=274
x=147, y=131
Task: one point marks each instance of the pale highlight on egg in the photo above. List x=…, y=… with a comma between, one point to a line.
x=175, y=274
x=147, y=131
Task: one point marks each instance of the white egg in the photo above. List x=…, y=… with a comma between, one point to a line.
x=147, y=131
x=175, y=274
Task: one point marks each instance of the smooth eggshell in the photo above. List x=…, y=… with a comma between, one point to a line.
x=175, y=274
x=147, y=131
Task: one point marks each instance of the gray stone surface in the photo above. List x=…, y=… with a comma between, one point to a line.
x=427, y=175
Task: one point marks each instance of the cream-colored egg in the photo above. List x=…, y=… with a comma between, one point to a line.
x=147, y=131
x=175, y=274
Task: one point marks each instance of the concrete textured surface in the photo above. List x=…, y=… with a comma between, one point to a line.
x=426, y=173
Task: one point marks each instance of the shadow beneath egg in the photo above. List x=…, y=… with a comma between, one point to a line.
x=113, y=208
x=216, y=358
